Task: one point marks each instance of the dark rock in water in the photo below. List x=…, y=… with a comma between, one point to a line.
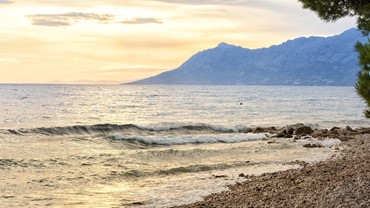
x=287, y=132
x=304, y=130
x=259, y=130
x=281, y=133
x=13, y=132
x=137, y=203
x=289, y=136
x=220, y=176
x=313, y=146
x=348, y=128
x=296, y=126
x=317, y=134
x=8, y=196
x=241, y=175
x=334, y=129
x=271, y=130
x=325, y=133
x=42, y=180
x=301, y=131
x=133, y=204
x=335, y=132
x=86, y=164
x=247, y=130
x=305, y=137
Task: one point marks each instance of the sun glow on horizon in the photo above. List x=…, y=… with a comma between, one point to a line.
x=115, y=41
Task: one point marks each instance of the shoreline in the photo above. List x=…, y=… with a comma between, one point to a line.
x=93, y=171
x=341, y=181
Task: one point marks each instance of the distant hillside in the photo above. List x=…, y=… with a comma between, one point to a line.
x=302, y=61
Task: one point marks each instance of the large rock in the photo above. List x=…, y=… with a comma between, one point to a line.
x=286, y=132
x=271, y=130
x=304, y=130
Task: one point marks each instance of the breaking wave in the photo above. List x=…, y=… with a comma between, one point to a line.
x=133, y=135
x=130, y=129
x=186, y=169
x=189, y=139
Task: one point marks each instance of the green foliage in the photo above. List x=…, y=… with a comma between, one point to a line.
x=363, y=88
x=363, y=20
x=331, y=10
x=363, y=83
x=364, y=55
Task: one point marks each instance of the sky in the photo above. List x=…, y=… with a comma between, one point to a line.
x=117, y=41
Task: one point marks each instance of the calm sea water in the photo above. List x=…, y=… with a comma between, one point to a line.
x=30, y=106
x=153, y=146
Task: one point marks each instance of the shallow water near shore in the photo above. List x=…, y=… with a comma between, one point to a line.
x=154, y=146
x=90, y=171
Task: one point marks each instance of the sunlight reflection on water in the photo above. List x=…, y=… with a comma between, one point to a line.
x=26, y=106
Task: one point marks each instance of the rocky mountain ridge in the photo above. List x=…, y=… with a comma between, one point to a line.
x=312, y=61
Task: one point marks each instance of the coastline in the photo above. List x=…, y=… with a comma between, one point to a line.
x=342, y=181
x=89, y=170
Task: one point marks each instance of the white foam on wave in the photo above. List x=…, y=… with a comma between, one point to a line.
x=191, y=139
x=329, y=143
x=324, y=153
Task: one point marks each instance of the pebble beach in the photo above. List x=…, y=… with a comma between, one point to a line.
x=342, y=181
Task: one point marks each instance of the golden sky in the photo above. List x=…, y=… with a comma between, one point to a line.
x=112, y=41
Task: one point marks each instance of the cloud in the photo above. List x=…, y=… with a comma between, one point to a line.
x=142, y=21
x=67, y=19
x=208, y=2
x=272, y=5
x=125, y=75
x=6, y=2
x=203, y=2
x=125, y=70
x=72, y=18
x=9, y=60
x=50, y=23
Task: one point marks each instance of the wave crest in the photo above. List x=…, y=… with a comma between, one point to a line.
x=188, y=139
x=130, y=129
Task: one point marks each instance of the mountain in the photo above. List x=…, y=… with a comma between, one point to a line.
x=303, y=61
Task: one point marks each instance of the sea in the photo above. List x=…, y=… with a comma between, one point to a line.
x=155, y=146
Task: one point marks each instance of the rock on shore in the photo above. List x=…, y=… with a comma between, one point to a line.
x=301, y=131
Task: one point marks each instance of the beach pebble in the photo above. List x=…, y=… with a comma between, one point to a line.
x=313, y=146
x=8, y=196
